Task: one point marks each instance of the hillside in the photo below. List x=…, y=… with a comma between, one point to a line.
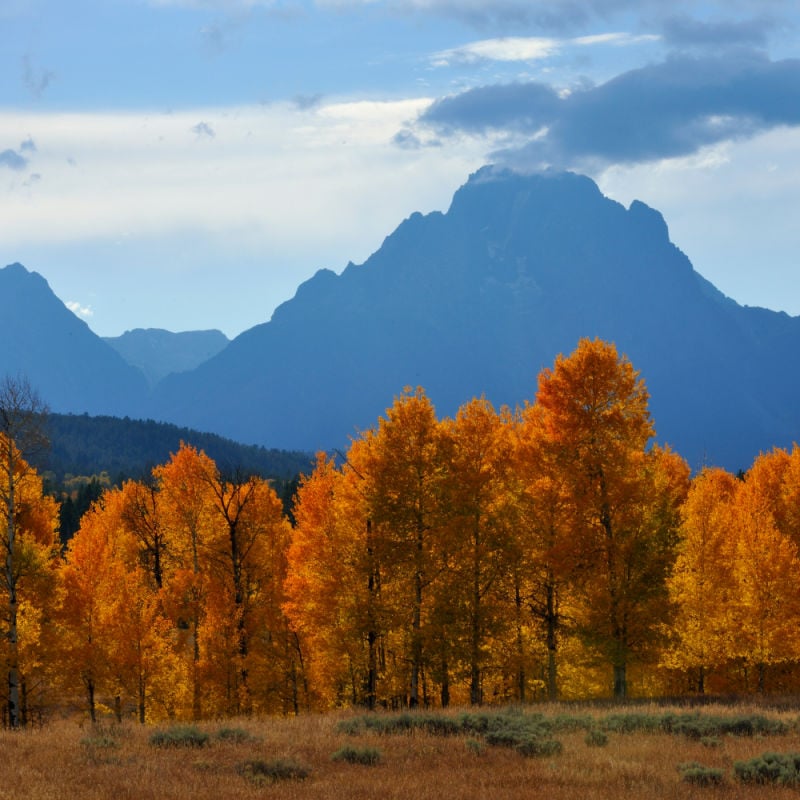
x=84, y=445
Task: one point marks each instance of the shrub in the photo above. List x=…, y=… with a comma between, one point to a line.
x=596, y=738
x=368, y=756
x=235, y=735
x=539, y=747
x=770, y=768
x=179, y=736
x=702, y=776
x=475, y=746
x=632, y=723
x=266, y=772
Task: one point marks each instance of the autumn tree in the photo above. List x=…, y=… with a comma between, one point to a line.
x=548, y=556
x=21, y=435
x=701, y=584
x=478, y=511
x=405, y=467
x=765, y=604
x=624, y=498
x=185, y=518
x=247, y=562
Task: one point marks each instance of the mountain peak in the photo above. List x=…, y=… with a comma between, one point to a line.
x=475, y=301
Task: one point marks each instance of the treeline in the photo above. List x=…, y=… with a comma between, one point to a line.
x=87, y=454
x=129, y=448
x=547, y=553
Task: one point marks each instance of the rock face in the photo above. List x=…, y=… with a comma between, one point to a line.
x=478, y=300
x=158, y=353
x=72, y=369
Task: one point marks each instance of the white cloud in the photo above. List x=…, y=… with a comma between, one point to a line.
x=79, y=310
x=530, y=48
x=514, y=48
x=325, y=184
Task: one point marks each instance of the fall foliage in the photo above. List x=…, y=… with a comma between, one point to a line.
x=555, y=551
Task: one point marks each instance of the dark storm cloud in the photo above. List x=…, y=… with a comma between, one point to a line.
x=659, y=111
x=685, y=32
x=13, y=160
x=518, y=107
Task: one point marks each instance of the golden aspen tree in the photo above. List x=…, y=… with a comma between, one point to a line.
x=405, y=467
x=87, y=579
x=322, y=583
x=140, y=661
x=185, y=511
x=547, y=553
x=701, y=583
x=479, y=512
x=596, y=421
x=765, y=602
x=21, y=433
x=141, y=515
x=247, y=550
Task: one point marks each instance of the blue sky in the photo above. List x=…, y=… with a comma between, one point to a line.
x=185, y=164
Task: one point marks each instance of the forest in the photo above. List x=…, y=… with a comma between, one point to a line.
x=548, y=552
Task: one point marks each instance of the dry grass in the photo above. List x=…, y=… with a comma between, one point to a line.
x=68, y=760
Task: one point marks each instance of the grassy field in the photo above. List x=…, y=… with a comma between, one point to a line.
x=641, y=752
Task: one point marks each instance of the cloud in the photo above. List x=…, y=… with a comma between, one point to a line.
x=13, y=160
x=28, y=146
x=305, y=102
x=530, y=48
x=203, y=130
x=685, y=32
x=79, y=310
x=513, y=48
x=660, y=111
x=36, y=81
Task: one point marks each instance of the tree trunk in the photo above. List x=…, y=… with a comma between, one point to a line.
x=520, y=642
x=552, y=643
x=620, y=682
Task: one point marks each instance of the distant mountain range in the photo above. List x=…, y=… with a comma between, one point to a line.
x=158, y=353
x=468, y=302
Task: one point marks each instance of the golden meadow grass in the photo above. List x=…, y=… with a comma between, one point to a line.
x=68, y=759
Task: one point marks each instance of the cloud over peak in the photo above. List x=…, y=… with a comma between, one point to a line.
x=664, y=110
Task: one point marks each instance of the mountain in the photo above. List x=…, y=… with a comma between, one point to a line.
x=157, y=352
x=477, y=300
x=72, y=369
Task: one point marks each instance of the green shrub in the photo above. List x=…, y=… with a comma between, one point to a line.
x=475, y=746
x=235, y=735
x=702, y=776
x=266, y=772
x=596, y=738
x=352, y=727
x=633, y=722
x=100, y=740
x=770, y=768
x=710, y=741
x=368, y=756
x=179, y=736
x=538, y=747
x=569, y=723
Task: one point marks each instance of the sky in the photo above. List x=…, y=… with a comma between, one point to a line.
x=186, y=164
